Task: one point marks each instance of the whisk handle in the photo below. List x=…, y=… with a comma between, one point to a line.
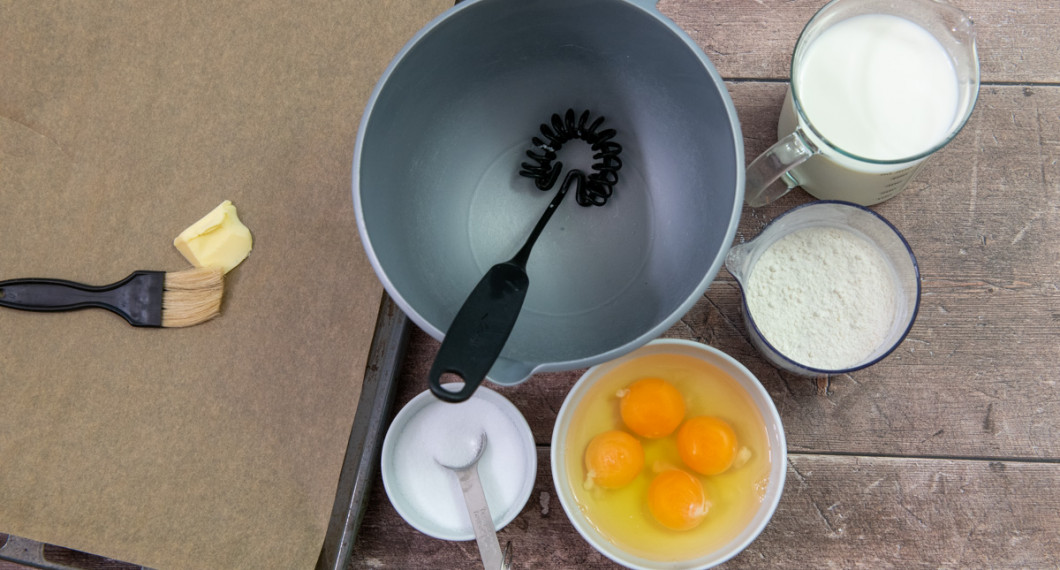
x=479, y=330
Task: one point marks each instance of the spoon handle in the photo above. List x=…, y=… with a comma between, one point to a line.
x=481, y=519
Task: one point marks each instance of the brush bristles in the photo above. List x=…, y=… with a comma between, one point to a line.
x=192, y=296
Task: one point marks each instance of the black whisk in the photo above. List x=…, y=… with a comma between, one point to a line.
x=486, y=319
x=601, y=183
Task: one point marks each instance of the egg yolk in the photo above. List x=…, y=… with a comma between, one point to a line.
x=677, y=500
x=652, y=407
x=706, y=444
x=613, y=459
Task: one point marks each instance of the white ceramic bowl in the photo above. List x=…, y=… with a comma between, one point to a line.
x=774, y=434
x=411, y=504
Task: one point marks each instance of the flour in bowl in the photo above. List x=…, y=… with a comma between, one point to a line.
x=824, y=297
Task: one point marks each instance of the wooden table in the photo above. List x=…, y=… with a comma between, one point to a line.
x=947, y=454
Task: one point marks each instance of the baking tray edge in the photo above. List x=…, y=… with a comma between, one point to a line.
x=366, y=437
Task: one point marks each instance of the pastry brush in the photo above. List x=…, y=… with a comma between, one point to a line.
x=145, y=298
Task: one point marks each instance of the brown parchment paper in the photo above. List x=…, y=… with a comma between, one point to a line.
x=122, y=122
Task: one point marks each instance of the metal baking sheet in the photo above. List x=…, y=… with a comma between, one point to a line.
x=358, y=468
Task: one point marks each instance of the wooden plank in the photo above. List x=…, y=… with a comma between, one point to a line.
x=903, y=513
x=755, y=39
x=976, y=378
x=836, y=511
x=983, y=219
x=985, y=337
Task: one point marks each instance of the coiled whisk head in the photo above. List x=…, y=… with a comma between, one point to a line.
x=600, y=184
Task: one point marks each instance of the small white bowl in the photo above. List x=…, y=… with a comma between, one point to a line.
x=424, y=506
x=774, y=434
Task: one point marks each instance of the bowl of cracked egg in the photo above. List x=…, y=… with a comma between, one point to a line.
x=670, y=457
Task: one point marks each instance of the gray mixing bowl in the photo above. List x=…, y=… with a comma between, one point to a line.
x=439, y=199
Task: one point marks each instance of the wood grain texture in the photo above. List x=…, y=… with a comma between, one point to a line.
x=977, y=374
x=840, y=512
x=754, y=39
x=958, y=427
x=948, y=450
x=975, y=379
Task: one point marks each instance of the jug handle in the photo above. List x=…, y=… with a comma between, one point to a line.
x=773, y=165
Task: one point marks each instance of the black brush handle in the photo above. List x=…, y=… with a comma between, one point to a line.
x=137, y=298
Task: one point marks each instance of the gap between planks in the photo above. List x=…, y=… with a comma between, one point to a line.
x=546, y=450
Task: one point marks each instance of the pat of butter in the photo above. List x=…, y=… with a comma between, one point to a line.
x=219, y=239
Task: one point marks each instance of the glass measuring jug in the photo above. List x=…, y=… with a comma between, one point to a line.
x=860, y=221
x=877, y=86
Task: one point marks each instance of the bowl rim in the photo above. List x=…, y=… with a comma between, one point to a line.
x=774, y=433
x=392, y=487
